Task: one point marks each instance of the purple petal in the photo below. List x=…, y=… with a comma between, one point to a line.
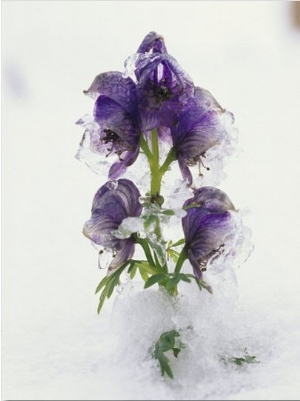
x=195, y=264
x=114, y=85
x=212, y=199
x=164, y=72
x=99, y=230
x=113, y=202
x=194, y=134
x=211, y=232
x=185, y=171
x=153, y=42
x=111, y=116
x=124, y=254
x=210, y=236
x=129, y=194
x=205, y=99
x=120, y=166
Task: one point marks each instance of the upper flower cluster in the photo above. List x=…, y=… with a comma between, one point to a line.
x=156, y=101
x=155, y=93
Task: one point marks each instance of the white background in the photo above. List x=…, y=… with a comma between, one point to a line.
x=248, y=55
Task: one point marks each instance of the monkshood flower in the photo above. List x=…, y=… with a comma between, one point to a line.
x=113, y=202
x=126, y=108
x=163, y=87
x=201, y=126
x=115, y=127
x=207, y=226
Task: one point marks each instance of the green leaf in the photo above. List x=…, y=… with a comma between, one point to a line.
x=154, y=279
x=165, y=343
x=150, y=220
x=143, y=273
x=201, y=283
x=109, y=283
x=172, y=282
x=176, y=351
x=240, y=361
x=180, y=242
x=101, y=284
x=174, y=255
x=167, y=340
x=168, y=212
x=132, y=270
x=184, y=277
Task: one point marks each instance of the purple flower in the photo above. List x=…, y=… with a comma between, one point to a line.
x=113, y=202
x=200, y=127
x=207, y=226
x=163, y=87
x=115, y=129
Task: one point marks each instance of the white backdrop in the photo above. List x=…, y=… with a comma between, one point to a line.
x=247, y=54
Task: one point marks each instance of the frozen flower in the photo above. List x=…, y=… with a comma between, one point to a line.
x=113, y=202
x=163, y=87
x=115, y=128
x=207, y=226
x=200, y=127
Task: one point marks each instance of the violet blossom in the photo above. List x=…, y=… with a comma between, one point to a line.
x=115, y=128
x=207, y=226
x=200, y=127
x=163, y=87
x=113, y=202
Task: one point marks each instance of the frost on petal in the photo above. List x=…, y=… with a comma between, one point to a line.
x=120, y=166
x=163, y=88
x=153, y=42
x=91, y=151
x=113, y=133
x=129, y=226
x=114, y=85
x=213, y=199
x=206, y=100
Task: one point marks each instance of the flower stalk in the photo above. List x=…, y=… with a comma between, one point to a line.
x=135, y=115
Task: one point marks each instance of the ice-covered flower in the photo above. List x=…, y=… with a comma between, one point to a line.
x=207, y=226
x=163, y=87
x=113, y=202
x=201, y=126
x=115, y=128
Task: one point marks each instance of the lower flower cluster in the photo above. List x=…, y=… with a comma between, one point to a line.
x=155, y=105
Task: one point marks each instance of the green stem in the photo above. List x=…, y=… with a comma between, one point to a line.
x=144, y=244
x=169, y=159
x=182, y=258
x=156, y=174
x=145, y=148
x=155, y=146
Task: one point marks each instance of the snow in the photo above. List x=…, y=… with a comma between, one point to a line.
x=54, y=345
